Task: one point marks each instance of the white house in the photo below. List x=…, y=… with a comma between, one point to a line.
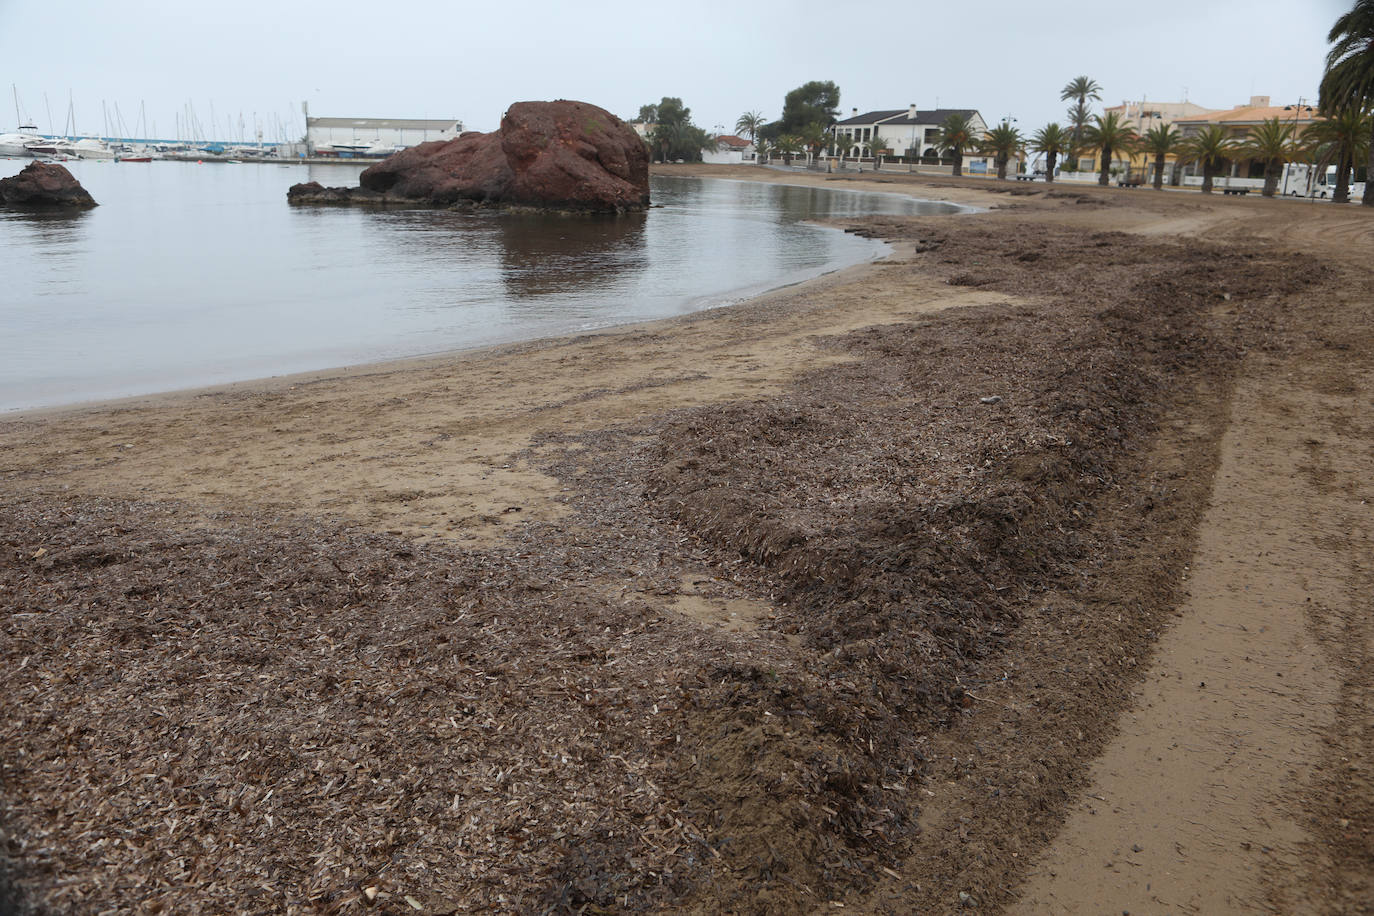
x=730, y=150
x=904, y=131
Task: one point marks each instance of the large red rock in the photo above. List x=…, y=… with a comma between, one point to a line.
x=44, y=186
x=558, y=155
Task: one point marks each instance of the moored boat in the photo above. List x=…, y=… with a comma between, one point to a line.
x=48, y=146
x=15, y=145
x=91, y=148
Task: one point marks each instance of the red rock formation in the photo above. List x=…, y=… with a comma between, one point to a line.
x=44, y=186
x=558, y=155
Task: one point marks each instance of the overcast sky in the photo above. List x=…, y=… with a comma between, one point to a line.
x=445, y=59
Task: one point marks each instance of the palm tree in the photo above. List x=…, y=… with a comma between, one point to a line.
x=1080, y=89
x=956, y=135
x=1211, y=148
x=1002, y=142
x=788, y=146
x=1343, y=138
x=876, y=147
x=749, y=123
x=1271, y=141
x=814, y=137
x=1160, y=141
x=762, y=149
x=1349, y=79
x=1108, y=134
x=1053, y=141
x=838, y=144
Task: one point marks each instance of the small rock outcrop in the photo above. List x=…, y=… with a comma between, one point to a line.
x=548, y=155
x=44, y=186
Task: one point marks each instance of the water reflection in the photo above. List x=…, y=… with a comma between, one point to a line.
x=544, y=255
x=191, y=275
x=51, y=228
x=58, y=241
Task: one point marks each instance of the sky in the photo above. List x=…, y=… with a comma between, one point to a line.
x=257, y=62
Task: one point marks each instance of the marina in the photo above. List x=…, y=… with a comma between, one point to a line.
x=316, y=140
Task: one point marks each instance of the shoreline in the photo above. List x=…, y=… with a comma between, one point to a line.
x=834, y=596
x=425, y=359
x=428, y=361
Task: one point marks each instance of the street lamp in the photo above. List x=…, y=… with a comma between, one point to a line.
x=1311, y=169
x=1008, y=121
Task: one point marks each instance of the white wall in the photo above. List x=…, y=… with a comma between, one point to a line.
x=727, y=157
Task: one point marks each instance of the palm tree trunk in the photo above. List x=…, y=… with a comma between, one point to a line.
x=1159, y=171
x=1001, y=169
x=1271, y=177
x=1049, y=167
x=1368, y=199
x=1207, y=178
x=1104, y=170
x=1342, y=194
x=958, y=163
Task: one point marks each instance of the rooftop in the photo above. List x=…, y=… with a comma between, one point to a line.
x=385, y=123
x=900, y=116
x=1248, y=114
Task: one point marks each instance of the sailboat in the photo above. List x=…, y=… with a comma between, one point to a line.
x=16, y=145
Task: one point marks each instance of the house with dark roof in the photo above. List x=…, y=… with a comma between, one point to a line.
x=909, y=131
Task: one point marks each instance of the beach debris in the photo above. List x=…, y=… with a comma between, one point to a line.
x=206, y=707
x=991, y=399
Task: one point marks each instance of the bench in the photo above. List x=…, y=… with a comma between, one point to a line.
x=1237, y=191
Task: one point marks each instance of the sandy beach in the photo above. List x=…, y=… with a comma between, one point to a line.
x=1026, y=570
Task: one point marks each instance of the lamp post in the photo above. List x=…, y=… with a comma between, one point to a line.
x=1311, y=169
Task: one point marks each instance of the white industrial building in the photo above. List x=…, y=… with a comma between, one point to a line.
x=373, y=136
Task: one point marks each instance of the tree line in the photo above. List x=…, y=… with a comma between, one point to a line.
x=1342, y=135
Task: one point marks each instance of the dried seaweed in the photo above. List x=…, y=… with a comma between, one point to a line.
x=286, y=714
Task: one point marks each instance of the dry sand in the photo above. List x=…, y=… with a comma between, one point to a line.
x=757, y=610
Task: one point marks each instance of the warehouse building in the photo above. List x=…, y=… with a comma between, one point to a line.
x=347, y=137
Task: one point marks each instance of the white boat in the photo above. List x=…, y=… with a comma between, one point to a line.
x=381, y=150
x=249, y=152
x=341, y=149
x=18, y=144
x=15, y=145
x=48, y=146
x=91, y=148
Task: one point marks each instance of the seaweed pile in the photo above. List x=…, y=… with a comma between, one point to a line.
x=284, y=714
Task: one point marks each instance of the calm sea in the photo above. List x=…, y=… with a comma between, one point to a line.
x=190, y=275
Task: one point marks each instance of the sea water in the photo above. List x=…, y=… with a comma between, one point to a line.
x=195, y=274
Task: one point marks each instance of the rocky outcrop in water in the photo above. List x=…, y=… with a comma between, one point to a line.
x=549, y=155
x=44, y=186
